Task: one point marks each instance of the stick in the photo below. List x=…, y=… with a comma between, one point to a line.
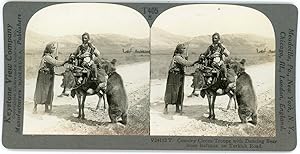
x=56, y=50
x=187, y=52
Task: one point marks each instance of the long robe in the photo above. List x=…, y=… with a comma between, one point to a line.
x=174, y=93
x=45, y=81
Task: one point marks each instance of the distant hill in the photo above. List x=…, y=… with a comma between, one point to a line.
x=165, y=42
x=162, y=42
x=161, y=39
x=106, y=43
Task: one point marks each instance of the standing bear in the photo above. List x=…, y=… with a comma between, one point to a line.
x=116, y=94
x=245, y=94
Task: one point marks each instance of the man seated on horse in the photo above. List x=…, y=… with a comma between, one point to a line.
x=89, y=57
x=85, y=55
x=216, y=54
x=213, y=59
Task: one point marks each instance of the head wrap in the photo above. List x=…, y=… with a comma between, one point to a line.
x=48, y=48
x=178, y=49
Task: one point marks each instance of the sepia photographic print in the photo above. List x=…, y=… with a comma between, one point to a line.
x=212, y=72
x=80, y=71
x=149, y=76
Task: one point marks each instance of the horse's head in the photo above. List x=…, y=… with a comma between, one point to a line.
x=109, y=66
x=238, y=67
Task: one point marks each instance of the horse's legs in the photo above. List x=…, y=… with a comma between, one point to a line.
x=209, y=104
x=104, y=101
x=82, y=105
x=235, y=102
x=79, y=105
x=99, y=101
x=213, y=107
x=230, y=100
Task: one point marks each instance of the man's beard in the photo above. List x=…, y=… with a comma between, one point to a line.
x=85, y=42
x=215, y=42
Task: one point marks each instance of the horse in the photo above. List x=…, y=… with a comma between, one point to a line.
x=86, y=87
x=81, y=94
x=198, y=82
x=69, y=82
x=211, y=93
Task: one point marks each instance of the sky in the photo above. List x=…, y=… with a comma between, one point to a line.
x=206, y=19
x=77, y=18
x=188, y=20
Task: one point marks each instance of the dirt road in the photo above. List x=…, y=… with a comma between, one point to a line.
x=63, y=118
x=194, y=122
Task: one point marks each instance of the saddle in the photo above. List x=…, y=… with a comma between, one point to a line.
x=210, y=76
x=209, y=71
x=213, y=75
x=81, y=75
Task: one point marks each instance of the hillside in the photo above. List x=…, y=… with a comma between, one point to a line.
x=162, y=42
x=161, y=39
x=165, y=42
x=106, y=43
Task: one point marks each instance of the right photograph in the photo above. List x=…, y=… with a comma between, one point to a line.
x=212, y=72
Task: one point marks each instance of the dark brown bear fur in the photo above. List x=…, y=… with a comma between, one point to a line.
x=116, y=94
x=245, y=94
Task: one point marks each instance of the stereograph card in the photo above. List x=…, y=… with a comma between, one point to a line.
x=141, y=76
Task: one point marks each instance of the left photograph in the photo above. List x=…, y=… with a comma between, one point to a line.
x=80, y=64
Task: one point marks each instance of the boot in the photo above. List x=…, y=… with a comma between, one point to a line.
x=193, y=94
x=63, y=93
